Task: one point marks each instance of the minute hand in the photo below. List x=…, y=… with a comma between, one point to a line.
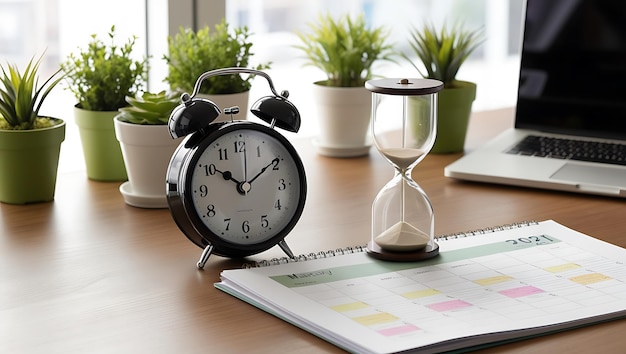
x=273, y=162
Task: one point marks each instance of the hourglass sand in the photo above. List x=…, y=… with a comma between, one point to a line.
x=404, y=129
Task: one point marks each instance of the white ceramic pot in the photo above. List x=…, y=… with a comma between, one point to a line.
x=344, y=115
x=229, y=100
x=147, y=150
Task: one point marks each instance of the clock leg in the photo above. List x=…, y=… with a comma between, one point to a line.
x=204, y=256
x=285, y=248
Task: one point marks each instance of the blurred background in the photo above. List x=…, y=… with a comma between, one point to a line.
x=58, y=27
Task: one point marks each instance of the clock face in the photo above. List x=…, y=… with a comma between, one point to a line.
x=247, y=186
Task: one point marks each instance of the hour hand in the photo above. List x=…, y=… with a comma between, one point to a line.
x=228, y=176
x=273, y=162
x=242, y=187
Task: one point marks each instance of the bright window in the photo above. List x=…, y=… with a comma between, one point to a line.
x=494, y=66
x=58, y=27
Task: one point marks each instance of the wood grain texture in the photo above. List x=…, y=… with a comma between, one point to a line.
x=87, y=273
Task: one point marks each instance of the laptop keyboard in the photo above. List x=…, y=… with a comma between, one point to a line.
x=558, y=148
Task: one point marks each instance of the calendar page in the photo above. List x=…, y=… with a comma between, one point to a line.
x=499, y=285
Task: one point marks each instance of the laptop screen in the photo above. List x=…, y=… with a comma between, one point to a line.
x=573, y=68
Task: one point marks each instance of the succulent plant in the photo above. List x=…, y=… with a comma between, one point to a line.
x=149, y=108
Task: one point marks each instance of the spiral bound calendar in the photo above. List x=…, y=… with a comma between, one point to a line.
x=499, y=284
x=362, y=248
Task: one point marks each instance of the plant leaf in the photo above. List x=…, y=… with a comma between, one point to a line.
x=21, y=96
x=443, y=52
x=344, y=48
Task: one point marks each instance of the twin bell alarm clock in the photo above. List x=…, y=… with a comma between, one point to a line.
x=235, y=188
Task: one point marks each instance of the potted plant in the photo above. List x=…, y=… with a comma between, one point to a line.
x=100, y=76
x=29, y=143
x=147, y=146
x=191, y=54
x=345, y=50
x=441, y=54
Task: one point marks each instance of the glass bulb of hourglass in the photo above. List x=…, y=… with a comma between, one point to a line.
x=402, y=158
x=402, y=236
x=404, y=215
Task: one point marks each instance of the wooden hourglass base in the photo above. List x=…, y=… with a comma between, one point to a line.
x=374, y=250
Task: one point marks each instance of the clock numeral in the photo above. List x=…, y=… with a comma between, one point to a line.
x=245, y=226
x=258, y=151
x=281, y=184
x=204, y=190
x=240, y=146
x=277, y=205
x=227, y=222
x=210, y=210
x=209, y=169
x=223, y=154
x=275, y=164
x=264, y=222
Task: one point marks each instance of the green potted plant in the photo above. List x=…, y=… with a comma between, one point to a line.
x=29, y=143
x=193, y=53
x=100, y=76
x=147, y=146
x=345, y=49
x=441, y=54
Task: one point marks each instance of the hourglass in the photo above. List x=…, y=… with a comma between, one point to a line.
x=404, y=120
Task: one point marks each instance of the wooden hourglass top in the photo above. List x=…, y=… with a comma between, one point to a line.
x=404, y=87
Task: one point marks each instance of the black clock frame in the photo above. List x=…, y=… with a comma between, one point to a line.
x=179, y=196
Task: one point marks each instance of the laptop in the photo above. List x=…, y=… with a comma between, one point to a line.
x=570, y=118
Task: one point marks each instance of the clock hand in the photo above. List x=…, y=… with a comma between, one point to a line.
x=245, y=160
x=275, y=160
x=227, y=175
x=242, y=187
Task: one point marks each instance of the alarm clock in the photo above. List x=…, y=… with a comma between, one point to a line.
x=235, y=188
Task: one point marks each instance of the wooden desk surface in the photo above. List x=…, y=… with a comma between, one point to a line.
x=87, y=273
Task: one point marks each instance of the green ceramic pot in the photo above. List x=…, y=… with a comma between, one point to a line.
x=454, y=106
x=102, y=152
x=29, y=160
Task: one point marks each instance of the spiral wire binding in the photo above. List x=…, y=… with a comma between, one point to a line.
x=358, y=249
x=487, y=230
x=305, y=257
